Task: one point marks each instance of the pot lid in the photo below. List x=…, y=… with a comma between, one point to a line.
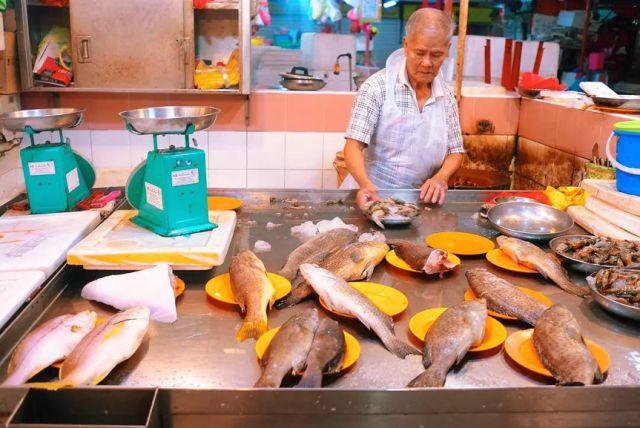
x=628, y=126
x=299, y=73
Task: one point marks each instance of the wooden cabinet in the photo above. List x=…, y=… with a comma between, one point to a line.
x=135, y=45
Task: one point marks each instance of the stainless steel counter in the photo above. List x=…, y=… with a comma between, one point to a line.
x=200, y=352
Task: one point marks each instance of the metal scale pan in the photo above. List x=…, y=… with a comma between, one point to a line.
x=45, y=119
x=169, y=119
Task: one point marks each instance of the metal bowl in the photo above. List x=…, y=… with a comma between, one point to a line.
x=169, y=119
x=611, y=305
x=44, y=119
x=575, y=264
x=629, y=102
x=303, y=84
x=527, y=220
x=504, y=199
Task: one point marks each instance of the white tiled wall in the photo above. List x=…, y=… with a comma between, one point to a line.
x=234, y=159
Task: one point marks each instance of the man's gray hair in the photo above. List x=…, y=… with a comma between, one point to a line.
x=429, y=18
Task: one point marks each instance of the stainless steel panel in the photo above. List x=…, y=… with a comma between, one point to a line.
x=24, y=45
x=130, y=44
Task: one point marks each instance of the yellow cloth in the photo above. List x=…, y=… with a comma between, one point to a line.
x=565, y=196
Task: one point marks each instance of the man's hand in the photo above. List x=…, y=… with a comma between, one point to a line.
x=366, y=194
x=434, y=190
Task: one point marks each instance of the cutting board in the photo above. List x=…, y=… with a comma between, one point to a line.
x=119, y=244
x=605, y=190
x=40, y=241
x=616, y=216
x=597, y=225
x=15, y=290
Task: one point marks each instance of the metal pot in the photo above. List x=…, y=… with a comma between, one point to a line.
x=627, y=102
x=299, y=79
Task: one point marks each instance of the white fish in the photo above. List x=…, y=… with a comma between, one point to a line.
x=52, y=341
x=152, y=288
x=106, y=346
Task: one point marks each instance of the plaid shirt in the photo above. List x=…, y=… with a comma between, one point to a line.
x=370, y=98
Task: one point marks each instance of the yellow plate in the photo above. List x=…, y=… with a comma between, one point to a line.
x=223, y=203
x=351, y=355
x=470, y=295
x=393, y=259
x=389, y=300
x=460, y=243
x=219, y=288
x=500, y=259
x=494, y=331
x=179, y=287
x=519, y=346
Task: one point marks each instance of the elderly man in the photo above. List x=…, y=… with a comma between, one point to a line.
x=404, y=130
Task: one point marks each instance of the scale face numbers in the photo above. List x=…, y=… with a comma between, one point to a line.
x=154, y=195
x=42, y=168
x=184, y=177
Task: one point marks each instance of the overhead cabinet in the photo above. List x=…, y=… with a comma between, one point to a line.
x=136, y=45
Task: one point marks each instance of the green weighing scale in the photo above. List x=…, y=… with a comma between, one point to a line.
x=169, y=188
x=55, y=176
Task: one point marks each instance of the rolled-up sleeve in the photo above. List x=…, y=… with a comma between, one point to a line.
x=454, y=133
x=366, y=111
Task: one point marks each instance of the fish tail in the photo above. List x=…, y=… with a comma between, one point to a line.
x=399, y=348
x=251, y=330
x=432, y=377
x=267, y=381
x=50, y=386
x=298, y=294
x=312, y=377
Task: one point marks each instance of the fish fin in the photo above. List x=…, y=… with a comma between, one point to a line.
x=426, y=357
x=356, y=257
x=598, y=375
x=100, y=378
x=430, y=378
x=400, y=349
x=50, y=386
x=297, y=295
x=251, y=330
x=272, y=300
x=368, y=273
x=312, y=378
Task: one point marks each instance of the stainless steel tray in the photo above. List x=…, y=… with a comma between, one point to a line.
x=45, y=119
x=531, y=221
x=169, y=119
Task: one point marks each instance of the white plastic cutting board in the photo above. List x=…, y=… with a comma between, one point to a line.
x=40, y=241
x=119, y=244
x=15, y=289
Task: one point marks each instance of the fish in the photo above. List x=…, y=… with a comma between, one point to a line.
x=558, y=340
x=326, y=354
x=390, y=210
x=254, y=293
x=447, y=341
x=340, y=297
x=316, y=249
x=352, y=263
x=288, y=349
x=533, y=257
x=50, y=342
x=422, y=258
x=503, y=297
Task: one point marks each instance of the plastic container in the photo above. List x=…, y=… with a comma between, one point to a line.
x=627, y=160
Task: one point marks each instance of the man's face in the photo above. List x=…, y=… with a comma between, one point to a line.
x=425, y=51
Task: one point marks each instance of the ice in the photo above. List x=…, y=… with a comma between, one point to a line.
x=376, y=236
x=261, y=247
x=308, y=229
x=271, y=225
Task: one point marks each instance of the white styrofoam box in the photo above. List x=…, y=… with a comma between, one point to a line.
x=40, y=241
x=303, y=150
x=333, y=143
x=228, y=178
x=112, y=177
x=474, y=56
x=80, y=142
x=110, y=149
x=572, y=18
x=15, y=289
x=265, y=150
x=303, y=179
x=320, y=50
x=265, y=179
x=228, y=150
x=329, y=179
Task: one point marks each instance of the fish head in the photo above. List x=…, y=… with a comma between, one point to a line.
x=437, y=262
x=320, y=279
x=82, y=322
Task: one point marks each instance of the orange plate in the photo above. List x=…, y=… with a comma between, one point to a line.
x=494, y=332
x=223, y=203
x=519, y=346
x=498, y=258
x=351, y=355
x=460, y=243
x=393, y=259
x=219, y=288
x=470, y=295
x=179, y=287
x=389, y=300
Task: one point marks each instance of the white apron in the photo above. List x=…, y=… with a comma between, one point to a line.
x=407, y=148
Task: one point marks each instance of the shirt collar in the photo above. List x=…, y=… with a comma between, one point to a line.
x=437, y=91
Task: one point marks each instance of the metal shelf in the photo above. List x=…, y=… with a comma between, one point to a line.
x=134, y=90
x=222, y=5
